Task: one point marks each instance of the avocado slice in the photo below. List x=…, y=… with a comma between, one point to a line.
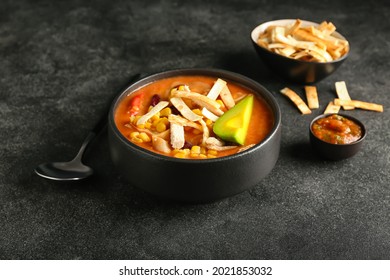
x=233, y=125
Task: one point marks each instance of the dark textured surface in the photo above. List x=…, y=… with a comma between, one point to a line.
x=61, y=62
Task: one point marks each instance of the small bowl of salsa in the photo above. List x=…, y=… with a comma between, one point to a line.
x=336, y=136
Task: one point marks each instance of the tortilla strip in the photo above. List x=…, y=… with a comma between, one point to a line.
x=294, y=97
x=216, y=89
x=177, y=136
x=201, y=100
x=359, y=104
x=184, y=122
x=327, y=27
x=280, y=37
x=294, y=27
x=227, y=97
x=182, y=107
x=312, y=97
x=209, y=115
x=342, y=93
x=161, y=105
x=332, y=108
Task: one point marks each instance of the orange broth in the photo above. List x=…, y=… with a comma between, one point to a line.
x=260, y=125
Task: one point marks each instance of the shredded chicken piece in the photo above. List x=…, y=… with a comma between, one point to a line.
x=160, y=145
x=206, y=132
x=214, y=141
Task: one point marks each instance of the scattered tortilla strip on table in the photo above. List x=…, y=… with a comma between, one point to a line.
x=332, y=108
x=342, y=93
x=312, y=97
x=296, y=99
x=359, y=104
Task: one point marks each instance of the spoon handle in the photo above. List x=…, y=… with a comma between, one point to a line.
x=103, y=120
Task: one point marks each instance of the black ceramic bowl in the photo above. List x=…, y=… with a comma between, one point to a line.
x=194, y=180
x=293, y=70
x=336, y=151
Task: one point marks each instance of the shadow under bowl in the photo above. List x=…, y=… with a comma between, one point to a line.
x=294, y=70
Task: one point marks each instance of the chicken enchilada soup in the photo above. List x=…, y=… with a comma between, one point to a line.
x=194, y=117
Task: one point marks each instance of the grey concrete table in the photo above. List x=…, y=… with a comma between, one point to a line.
x=61, y=62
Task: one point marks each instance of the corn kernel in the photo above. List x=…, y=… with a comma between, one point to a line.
x=210, y=156
x=141, y=126
x=134, y=134
x=197, y=111
x=202, y=156
x=148, y=125
x=137, y=140
x=160, y=127
x=156, y=116
x=144, y=137
x=203, y=150
x=208, y=122
x=220, y=102
x=195, y=150
x=165, y=112
x=164, y=120
x=179, y=155
x=212, y=152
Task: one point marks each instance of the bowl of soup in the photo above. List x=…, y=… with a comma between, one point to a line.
x=195, y=135
x=336, y=136
x=300, y=51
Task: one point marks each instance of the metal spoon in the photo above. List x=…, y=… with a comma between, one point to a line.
x=74, y=169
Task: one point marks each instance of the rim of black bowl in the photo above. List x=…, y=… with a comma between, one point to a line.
x=364, y=131
x=214, y=72
x=292, y=59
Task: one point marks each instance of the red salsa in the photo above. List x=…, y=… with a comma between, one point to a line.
x=336, y=129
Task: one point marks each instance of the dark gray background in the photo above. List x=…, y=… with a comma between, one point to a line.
x=61, y=63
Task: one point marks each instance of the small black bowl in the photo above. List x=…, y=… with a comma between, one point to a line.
x=294, y=70
x=336, y=151
x=192, y=180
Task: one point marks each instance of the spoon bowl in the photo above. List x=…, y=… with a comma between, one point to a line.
x=64, y=171
x=74, y=169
